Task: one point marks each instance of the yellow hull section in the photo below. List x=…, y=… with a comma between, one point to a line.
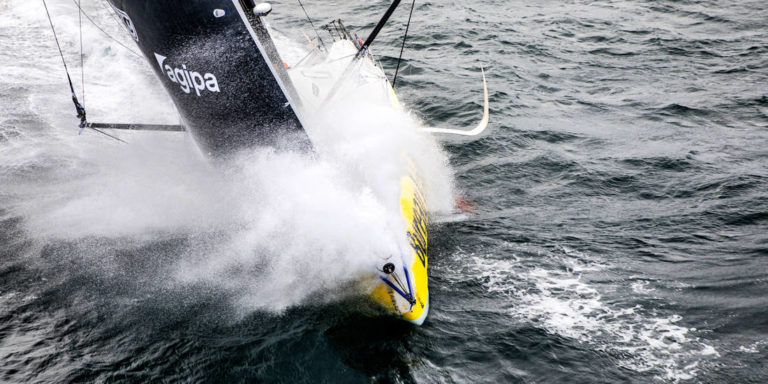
x=414, y=211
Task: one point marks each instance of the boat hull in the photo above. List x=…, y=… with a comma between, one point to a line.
x=223, y=73
x=225, y=86
x=413, y=210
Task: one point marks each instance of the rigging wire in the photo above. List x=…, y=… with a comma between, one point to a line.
x=82, y=66
x=405, y=36
x=78, y=107
x=108, y=135
x=311, y=23
x=56, y=38
x=77, y=2
x=397, y=280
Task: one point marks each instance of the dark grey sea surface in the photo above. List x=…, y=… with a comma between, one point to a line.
x=620, y=231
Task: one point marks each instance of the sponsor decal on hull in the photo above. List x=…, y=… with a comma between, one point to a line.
x=127, y=22
x=188, y=80
x=418, y=237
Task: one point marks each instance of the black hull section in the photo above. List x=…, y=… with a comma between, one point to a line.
x=230, y=93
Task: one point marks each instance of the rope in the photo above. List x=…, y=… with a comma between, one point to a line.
x=77, y=2
x=56, y=38
x=400, y=58
x=398, y=286
x=78, y=107
x=311, y=23
x=82, y=66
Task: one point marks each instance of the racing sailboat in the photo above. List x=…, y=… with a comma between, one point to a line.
x=220, y=66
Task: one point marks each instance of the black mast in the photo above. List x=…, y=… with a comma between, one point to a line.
x=378, y=28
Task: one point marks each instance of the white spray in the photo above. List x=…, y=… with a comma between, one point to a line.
x=264, y=226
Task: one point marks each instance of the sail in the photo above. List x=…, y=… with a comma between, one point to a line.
x=221, y=70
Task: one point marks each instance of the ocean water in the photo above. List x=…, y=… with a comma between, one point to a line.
x=620, y=231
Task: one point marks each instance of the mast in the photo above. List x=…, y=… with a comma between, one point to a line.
x=378, y=27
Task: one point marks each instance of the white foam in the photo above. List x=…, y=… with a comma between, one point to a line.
x=552, y=293
x=642, y=287
x=752, y=348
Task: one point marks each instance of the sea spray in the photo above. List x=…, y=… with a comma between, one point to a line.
x=270, y=227
x=287, y=224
